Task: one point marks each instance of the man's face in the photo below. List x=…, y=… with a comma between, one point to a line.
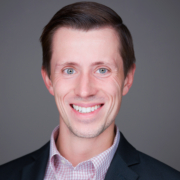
x=87, y=79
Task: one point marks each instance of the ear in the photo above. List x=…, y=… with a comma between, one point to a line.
x=129, y=80
x=47, y=81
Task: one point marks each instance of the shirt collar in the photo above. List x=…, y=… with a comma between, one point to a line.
x=101, y=162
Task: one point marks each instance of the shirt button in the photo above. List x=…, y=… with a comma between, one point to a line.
x=63, y=161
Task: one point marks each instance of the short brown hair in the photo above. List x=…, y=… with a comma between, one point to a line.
x=86, y=16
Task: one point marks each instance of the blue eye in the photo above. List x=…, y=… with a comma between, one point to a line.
x=102, y=70
x=69, y=71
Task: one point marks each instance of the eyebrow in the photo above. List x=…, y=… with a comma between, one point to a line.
x=76, y=64
x=104, y=63
x=99, y=63
x=66, y=63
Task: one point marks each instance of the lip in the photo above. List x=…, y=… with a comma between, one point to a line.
x=87, y=115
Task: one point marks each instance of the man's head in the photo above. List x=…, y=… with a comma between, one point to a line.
x=87, y=16
x=87, y=74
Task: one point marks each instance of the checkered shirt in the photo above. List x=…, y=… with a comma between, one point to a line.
x=59, y=168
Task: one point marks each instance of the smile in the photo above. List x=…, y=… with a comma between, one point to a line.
x=86, y=109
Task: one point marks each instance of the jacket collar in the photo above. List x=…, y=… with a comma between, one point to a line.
x=125, y=156
x=36, y=169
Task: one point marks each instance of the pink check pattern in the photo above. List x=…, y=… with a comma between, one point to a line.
x=59, y=168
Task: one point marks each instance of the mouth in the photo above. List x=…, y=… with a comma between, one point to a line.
x=85, y=110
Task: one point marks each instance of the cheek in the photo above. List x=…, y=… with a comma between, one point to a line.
x=62, y=87
x=118, y=86
x=112, y=87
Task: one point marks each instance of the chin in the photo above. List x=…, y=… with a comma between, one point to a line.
x=88, y=132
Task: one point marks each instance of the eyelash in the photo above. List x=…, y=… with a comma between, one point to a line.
x=95, y=71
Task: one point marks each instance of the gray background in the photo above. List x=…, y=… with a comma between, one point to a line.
x=149, y=116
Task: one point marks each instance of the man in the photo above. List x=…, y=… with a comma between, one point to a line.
x=88, y=65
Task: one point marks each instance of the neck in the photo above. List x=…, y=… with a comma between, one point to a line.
x=77, y=150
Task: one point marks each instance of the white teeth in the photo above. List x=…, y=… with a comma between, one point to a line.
x=75, y=107
x=83, y=110
x=86, y=110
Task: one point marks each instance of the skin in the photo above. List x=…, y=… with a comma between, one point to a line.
x=86, y=70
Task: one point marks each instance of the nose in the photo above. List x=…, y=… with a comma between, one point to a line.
x=85, y=86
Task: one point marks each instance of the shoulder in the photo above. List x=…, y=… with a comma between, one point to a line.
x=151, y=165
x=17, y=165
x=144, y=166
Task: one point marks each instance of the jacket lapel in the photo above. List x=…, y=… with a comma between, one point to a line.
x=36, y=169
x=125, y=156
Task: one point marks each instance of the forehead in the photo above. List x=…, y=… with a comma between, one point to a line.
x=86, y=46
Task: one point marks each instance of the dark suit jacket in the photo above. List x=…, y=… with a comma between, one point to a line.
x=127, y=164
